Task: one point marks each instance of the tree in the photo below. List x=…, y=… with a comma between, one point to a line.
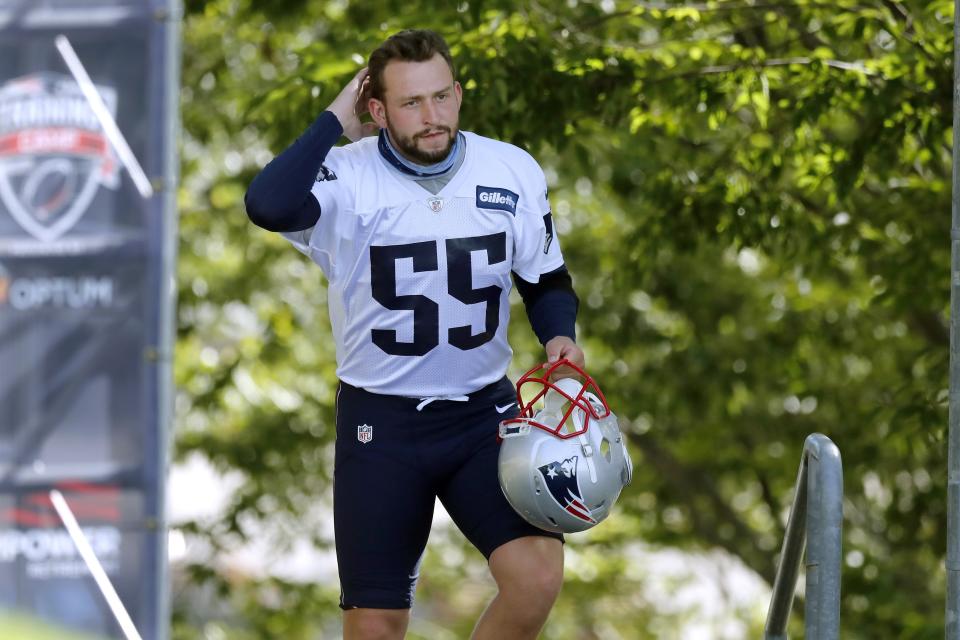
x=753, y=197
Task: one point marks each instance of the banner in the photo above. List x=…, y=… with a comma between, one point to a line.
x=87, y=183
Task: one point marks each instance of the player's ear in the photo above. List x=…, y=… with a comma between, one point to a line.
x=458, y=91
x=378, y=111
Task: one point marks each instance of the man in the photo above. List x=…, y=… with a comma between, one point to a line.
x=418, y=232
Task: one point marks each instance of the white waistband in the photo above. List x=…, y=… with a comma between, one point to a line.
x=425, y=401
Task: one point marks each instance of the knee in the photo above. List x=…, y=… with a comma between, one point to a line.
x=538, y=585
x=530, y=595
x=547, y=581
x=529, y=570
x=374, y=624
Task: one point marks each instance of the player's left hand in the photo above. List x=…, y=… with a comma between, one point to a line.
x=350, y=105
x=561, y=347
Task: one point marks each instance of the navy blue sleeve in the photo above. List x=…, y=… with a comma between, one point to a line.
x=279, y=197
x=551, y=304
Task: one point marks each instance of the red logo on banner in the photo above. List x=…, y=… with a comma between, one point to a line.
x=54, y=156
x=89, y=502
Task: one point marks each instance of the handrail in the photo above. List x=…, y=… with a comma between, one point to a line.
x=817, y=518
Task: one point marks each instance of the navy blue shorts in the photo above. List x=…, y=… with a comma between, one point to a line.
x=392, y=462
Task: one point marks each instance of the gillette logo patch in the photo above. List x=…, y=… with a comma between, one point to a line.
x=493, y=198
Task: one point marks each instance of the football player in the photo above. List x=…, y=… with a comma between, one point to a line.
x=421, y=231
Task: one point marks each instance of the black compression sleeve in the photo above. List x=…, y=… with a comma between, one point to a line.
x=551, y=304
x=279, y=197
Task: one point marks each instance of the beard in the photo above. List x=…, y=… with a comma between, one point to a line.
x=407, y=145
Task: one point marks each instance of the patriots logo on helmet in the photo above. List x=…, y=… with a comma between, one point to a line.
x=561, y=480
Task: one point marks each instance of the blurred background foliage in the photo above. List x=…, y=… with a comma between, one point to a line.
x=753, y=197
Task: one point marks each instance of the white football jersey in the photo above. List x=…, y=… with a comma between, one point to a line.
x=419, y=283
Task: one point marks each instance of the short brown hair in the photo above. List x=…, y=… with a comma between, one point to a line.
x=409, y=45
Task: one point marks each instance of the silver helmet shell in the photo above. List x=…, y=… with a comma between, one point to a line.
x=563, y=466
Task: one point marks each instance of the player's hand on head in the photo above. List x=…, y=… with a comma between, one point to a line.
x=361, y=107
x=350, y=104
x=361, y=104
x=564, y=348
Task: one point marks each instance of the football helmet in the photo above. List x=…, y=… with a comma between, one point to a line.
x=562, y=466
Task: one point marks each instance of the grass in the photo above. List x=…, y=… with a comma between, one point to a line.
x=16, y=626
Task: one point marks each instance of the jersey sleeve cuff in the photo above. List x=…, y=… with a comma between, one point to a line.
x=533, y=277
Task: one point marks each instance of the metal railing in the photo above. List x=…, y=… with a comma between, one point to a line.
x=816, y=518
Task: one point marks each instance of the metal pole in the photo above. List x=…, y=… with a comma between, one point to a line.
x=173, y=16
x=824, y=538
x=790, y=556
x=953, y=452
x=816, y=518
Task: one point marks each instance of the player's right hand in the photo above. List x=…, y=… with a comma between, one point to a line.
x=350, y=104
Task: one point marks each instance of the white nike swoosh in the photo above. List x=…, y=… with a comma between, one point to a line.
x=504, y=407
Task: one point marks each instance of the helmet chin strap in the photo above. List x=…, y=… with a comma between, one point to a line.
x=554, y=403
x=588, y=455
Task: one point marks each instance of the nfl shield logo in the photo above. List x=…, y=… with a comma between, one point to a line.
x=436, y=204
x=364, y=433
